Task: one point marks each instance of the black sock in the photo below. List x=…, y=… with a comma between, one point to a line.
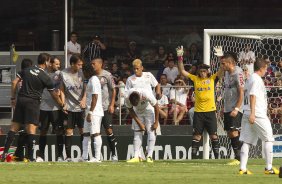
x=68, y=140
x=81, y=139
x=19, y=153
x=215, y=148
x=60, y=144
x=112, y=143
x=195, y=148
x=42, y=144
x=236, y=145
x=9, y=140
x=92, y=145
x=31, y=144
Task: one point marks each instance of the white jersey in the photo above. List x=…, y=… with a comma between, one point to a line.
x=72, y=47
x=163, y=101
x=257, y=88
x=247, y=56
x=166, y=90
x=146, y=103
x=47, y=101
x=181, y=95
x=146, y=81
x=73, y=85
x=94, y=87
x=171, y=73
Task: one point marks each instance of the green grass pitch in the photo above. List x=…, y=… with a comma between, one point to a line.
x=176, y=172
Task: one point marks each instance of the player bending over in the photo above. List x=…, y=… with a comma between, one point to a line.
x=144, y=110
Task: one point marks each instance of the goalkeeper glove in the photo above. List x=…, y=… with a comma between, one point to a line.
x=218, y=51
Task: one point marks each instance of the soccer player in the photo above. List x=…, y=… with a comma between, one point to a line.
x=28, y=103
x=144, y=110
x=144, y=80
x=51, y=112
x=108, y=100
x=73, y=94
x=22, y=139
x=233, y=101
x=93, y=114
x=255, y=122
x=205, y=109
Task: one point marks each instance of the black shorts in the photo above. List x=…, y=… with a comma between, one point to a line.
x=53, y=117
x=107, y=120
x=27, y=111
x=205, y=120
x=232, y=123
x=73, y=119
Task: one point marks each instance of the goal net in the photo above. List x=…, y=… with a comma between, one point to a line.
x=264, y=43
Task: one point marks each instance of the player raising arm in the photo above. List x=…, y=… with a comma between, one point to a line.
x=205, y=108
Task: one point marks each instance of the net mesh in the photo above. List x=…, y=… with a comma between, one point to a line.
x=263, y=46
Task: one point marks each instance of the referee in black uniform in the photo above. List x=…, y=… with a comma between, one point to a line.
x=28, y=103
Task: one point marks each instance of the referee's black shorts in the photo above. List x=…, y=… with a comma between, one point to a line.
x=73, y=119
x=27, y=111
x=205, y=120
x=232, y=123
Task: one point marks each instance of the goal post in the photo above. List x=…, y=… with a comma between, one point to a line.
x=265, y=42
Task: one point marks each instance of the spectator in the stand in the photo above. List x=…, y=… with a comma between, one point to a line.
x=178, y=98
x=171, y=71
x=192, y=37
x=279, y=66
x=165, y=87
x=116, y=73
x=247, y=57
x=161, y=55
x=170, y=56
x=72, y=46
x=163, y=108
x=106, y=65
x=132, y=52
x=192, y=55
x=94, y=49
x=125, y=68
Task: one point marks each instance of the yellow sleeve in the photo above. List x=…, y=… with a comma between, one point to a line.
x=192, y=77
x=214, y=75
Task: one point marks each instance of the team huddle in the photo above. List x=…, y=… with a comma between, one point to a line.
x=83, y=96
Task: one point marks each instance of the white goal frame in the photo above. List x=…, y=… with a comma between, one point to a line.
x=244, y=33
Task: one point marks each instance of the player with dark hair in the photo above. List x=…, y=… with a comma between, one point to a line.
x=28, y=103
x=22, y=139
x=94, y=113
x=233, y=101
x=205, y=108
x=51, y=112
x=255, y=122
x=144, y=110
x=73, y=94
x=108, y=99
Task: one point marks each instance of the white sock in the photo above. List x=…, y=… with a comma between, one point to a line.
x=244, y=156
x=151, y=140
x=98, y=146
x=85, y=147
x=268, y=151
x=137, y=143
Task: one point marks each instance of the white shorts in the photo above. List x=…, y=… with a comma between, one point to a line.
x=94, y=126
x=148, y=119
x=260, y=129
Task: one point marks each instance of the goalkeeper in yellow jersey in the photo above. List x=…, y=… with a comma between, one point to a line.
x=205, y=108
